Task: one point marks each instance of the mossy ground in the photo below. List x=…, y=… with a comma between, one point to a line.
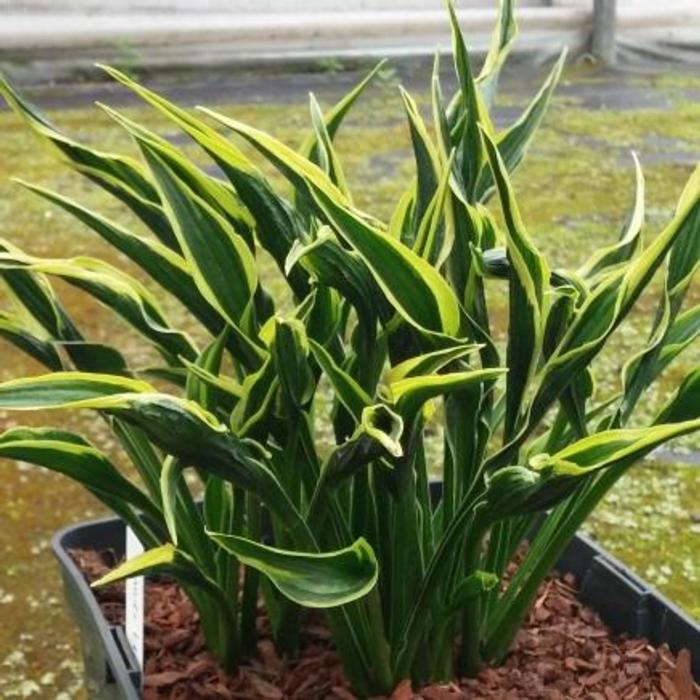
x=574, y=190
x=651, y=521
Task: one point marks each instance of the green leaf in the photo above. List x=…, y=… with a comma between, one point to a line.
x=69, y=454
x=517, y=491
x=501, y=41
x=383, y=426
x=471, y=587
x=514, y=141
x=179, y=427
x=290, y=350
x=347, y=390
x=377, y=437
x=218, y=194
x=528, y=295
x=64, y=389
x=134, y=399
x=222, y=264
x=121, y=176
x=332, y=265
x=277, y=225
x=470, y=152
x=251, y=414
x=203, y=374
x=334, y=117
x=435, y=235
x=33, y=292
x=166, y=267
x=440, y=122
x=204, y=378
x=378, y=434
x=684, y=330
x=94, y=357
x=218, y=504
x=217, y=613
x=610, y=447
x=685, y=253
x=683, y=261
x=182, y=517
x=142, y=454
x=170, y=480
x=166, y=559
x=415, y=288
x=41, y=349
x=427, y=163
x=116, y=290
x=630, y=236
x=315, y=580
x=411, y=393
x=325, y=314
x=176, y=376
x=297, y=169
x=153, y=560
x=402, y=217
x=429, y=362
x=684, y=405
x=115, y=166
x=326, y=156
x=607, y=306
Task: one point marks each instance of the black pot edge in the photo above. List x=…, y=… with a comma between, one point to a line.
x=111, y=669
x=624, y=601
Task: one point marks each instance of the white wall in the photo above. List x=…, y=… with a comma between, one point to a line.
x=115, y=7
x=248, y=6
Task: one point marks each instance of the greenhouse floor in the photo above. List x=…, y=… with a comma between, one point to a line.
x=574, y=191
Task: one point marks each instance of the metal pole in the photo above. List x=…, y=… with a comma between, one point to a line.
x=603, y=37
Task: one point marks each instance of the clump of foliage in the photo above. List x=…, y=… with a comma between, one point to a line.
x=390, y=325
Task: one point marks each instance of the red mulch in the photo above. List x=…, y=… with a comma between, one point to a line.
x=563, y=651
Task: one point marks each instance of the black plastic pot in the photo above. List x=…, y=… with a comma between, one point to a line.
x=111, y=670
x=623, y=600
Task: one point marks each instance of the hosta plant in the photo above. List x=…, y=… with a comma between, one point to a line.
x=312, y=425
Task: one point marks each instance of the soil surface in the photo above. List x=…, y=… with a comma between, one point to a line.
x=563, y=651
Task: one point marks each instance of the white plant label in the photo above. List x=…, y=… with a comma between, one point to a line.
x=134, y=601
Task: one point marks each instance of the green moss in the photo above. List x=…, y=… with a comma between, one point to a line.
x=651, y=521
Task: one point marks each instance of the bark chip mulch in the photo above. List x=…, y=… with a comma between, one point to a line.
x=563, y=651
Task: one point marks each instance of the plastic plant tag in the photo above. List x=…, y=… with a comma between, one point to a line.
x=134, y=601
